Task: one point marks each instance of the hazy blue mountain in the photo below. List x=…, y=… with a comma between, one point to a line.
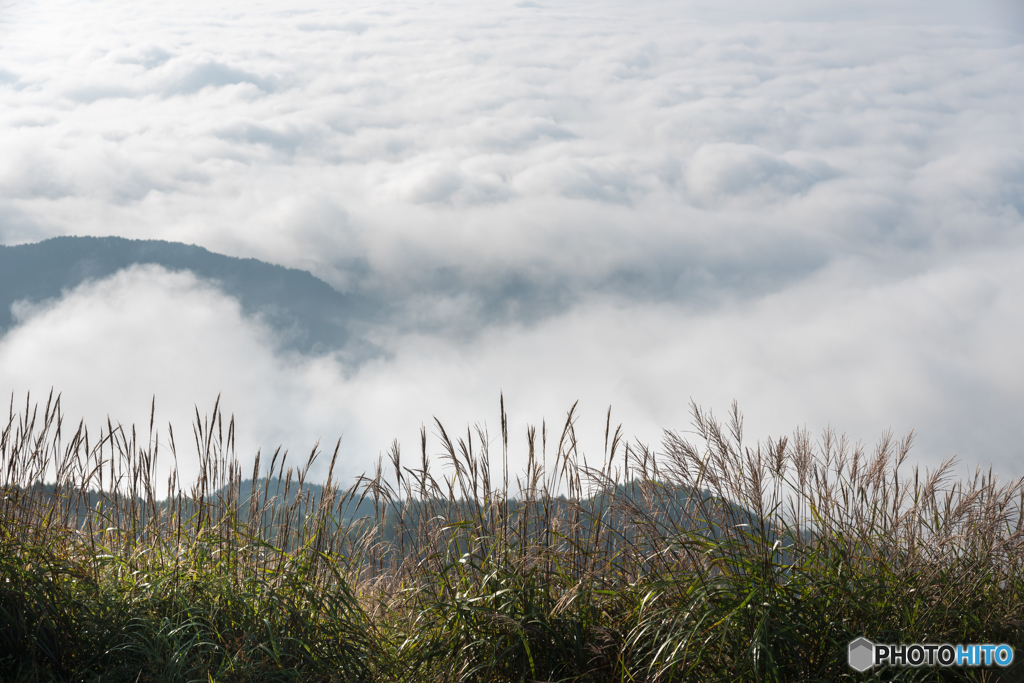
x=310, y=314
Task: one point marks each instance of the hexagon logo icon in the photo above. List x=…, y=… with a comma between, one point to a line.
x=861, y=654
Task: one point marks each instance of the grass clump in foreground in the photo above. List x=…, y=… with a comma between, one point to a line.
x=706, y=561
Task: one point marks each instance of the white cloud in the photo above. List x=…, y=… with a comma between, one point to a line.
x=654, y=182
x=110, y=347
x=933, y=353
x=748, y=175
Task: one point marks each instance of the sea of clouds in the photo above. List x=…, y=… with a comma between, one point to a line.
x=813, y=208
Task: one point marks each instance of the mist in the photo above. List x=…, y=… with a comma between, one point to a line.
x=814, y=210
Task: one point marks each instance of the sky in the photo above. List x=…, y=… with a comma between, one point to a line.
x=811, y=208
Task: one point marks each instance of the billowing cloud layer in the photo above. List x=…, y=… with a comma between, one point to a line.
x=110, y=347
x=818, y=212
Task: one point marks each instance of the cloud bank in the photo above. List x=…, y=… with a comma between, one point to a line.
x=817, y=212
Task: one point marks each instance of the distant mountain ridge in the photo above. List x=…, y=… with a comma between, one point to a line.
x=310, y=315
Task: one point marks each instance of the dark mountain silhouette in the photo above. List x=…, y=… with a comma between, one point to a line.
x=673, y=509
x=309, y=314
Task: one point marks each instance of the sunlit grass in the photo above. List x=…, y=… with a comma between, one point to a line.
x=707, y=560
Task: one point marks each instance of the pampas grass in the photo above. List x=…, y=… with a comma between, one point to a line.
x=705, y=560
